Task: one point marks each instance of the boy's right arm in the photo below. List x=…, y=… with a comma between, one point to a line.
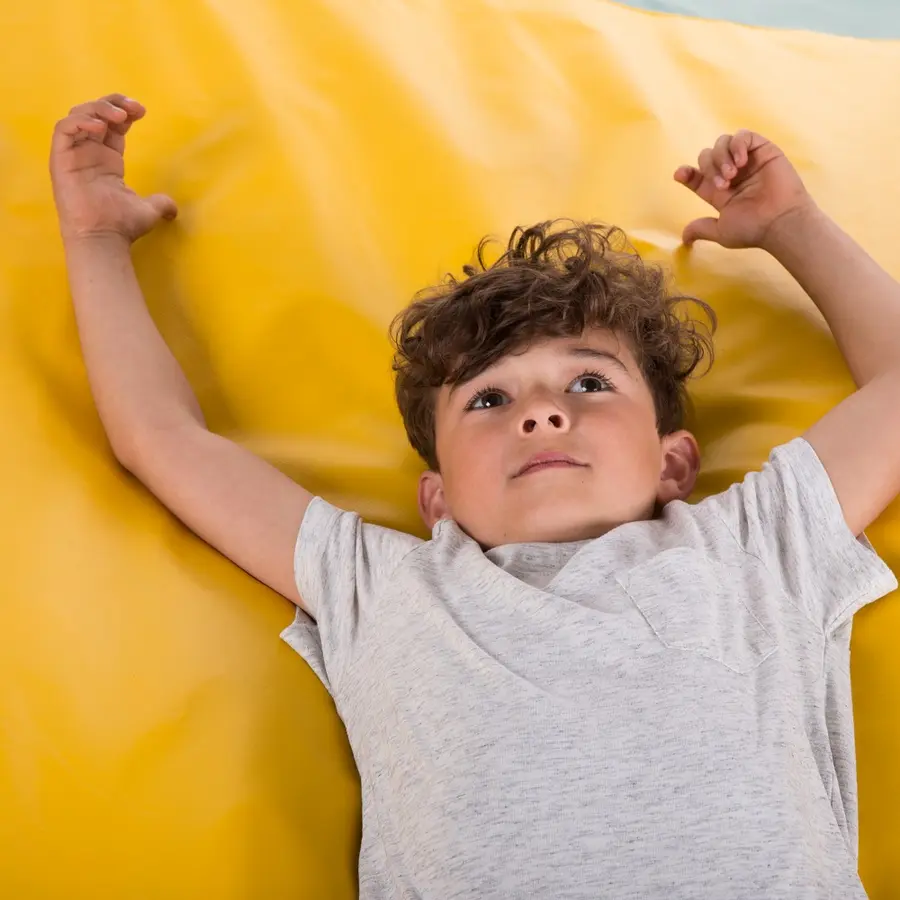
x=238, y=503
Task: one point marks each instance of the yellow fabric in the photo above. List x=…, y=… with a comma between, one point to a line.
x=330, y=158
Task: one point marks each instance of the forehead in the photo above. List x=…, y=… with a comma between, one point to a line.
x=600, y=340
x=594, y=346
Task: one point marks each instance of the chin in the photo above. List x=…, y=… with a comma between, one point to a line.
x=558, y=525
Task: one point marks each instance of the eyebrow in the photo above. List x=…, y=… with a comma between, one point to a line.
x=583, y=352
x=593, y=353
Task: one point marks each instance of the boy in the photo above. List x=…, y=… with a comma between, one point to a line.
x=581, y=686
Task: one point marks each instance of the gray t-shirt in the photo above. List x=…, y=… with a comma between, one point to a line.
x=661, y=712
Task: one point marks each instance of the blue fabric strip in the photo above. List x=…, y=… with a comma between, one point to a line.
x=862, y=18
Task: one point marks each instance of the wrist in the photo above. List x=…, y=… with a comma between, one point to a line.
x=794, y=226
x=97, y=242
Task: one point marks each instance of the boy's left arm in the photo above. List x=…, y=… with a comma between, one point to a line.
x=858, y=441
x=762, y=203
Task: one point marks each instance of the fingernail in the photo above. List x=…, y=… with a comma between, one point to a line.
x=720, y=182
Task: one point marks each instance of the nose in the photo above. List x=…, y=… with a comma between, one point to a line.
x=541, y=415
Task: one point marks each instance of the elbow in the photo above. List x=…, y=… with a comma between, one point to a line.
x=144, y=444
x=125, y=452
x=144, y=449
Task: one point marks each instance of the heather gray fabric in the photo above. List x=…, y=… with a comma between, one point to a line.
x=662, y=712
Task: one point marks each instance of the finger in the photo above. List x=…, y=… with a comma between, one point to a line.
x=705, y=164
x=100, y=109
x=723, y=161
x=164, y=205
x=115, y=117
x=706, y=229
x=117, y=109
x=690, y=177
x=741, y=145
x=134, y=108
x=76, y=128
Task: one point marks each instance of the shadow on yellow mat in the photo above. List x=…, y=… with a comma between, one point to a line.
x=157, y=739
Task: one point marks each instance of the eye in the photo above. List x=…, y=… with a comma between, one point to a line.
x=590, y=383
x=487, y=398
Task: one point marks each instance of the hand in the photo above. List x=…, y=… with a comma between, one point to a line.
x=752, y=185
x=87, y=168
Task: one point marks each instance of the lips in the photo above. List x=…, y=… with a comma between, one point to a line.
x=549, y=460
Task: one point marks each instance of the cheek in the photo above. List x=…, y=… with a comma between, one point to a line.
x=476, y=456
x=628, y=432
x=644, y=444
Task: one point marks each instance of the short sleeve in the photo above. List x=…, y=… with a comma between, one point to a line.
x=789, y=516
x=341, y=565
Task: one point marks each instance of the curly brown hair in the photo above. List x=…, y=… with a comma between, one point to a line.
x=555, y=279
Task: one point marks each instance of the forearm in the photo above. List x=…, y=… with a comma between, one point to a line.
x=137, y=383
x=859, y=300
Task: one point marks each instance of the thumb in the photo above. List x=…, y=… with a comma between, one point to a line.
x=164, y=206
x=705, y=229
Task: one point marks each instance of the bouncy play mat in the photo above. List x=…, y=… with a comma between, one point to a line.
x=330, y=157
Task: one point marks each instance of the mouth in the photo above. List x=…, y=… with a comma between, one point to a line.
x=543, y=461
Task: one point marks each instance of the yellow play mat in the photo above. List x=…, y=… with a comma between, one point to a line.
x=331, y=157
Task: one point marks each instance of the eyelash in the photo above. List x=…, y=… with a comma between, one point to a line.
x=490, y=389
x=603, y=379
x=482, y=392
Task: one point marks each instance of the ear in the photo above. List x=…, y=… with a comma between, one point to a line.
x=680, y=467
x=432, y=503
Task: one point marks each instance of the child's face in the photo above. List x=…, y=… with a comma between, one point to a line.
x=581, y=404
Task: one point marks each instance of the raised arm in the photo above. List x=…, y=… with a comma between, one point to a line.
x=762, y=203
x=238, y=503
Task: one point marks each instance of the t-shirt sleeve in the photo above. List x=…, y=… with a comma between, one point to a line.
x=341, y=565
x=789, y=516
